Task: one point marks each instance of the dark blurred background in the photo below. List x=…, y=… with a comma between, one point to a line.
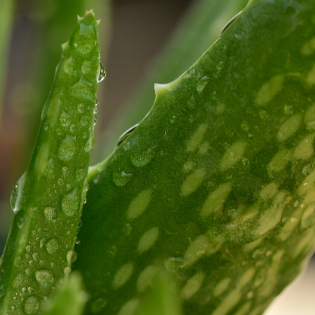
x=134, y=34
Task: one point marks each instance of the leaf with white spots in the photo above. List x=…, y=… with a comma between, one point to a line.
x=217, y=183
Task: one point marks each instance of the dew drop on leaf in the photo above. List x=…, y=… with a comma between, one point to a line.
x=70, y=203
x=52, y=246
x=44, y=277
x=31, y=305
x=50, y=213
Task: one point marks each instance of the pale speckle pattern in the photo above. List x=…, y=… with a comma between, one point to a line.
x=271, y=217
x=246, y=277
x=290, y=225
x=308, y=218
x=148, y=239
x=192, y=182
x=272, y=275
x=269, y=90
x=309, y=47
x=305, y=148
x=192, y=285
x=42, y=159
x=311, y=76
x=203, y=148
x=198, y=249
x=228, y=303
x=146, y=278
x=130, y=307
x=220, y=109
x=232, y=155
x=139, y=204
x=215, y=201
x=196, y=138
x=269, y=191
x=221, y=286
x=188, y=166
x=122, y=275
x=279, y=162
x=244, y=309
x=252, y=245
x=289, y=128
x=310, y=118
x=306, y=243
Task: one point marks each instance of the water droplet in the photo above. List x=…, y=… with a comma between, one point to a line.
x=98, y=305
x=89, y=144
x=31, y=305
x=49, y=168
x=102, y=74
x=44, y=277
x=121, y=178
x=73, y=128
x=141, y=158
x=65, y=170
x=65, y=119
x=201, y=84
x=42, y=242
x=173, y=264
x=35, y=256
x=28, y=248
x=18, y=281
x=60, y=181
x=50, y=213
x=81, y=108
x=67, y=270
x=28, y=271
x=307, y=169
x=52, y=246
x=20, y=221
x=70, y=203
x=18, y=261
x=66, y=149
x=86, y=66
x=30, y=289
x=14, y=195
x=71, y=256
x=80, y=174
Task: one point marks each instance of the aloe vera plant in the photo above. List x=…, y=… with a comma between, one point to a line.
x=216, y=183
x=48, y=198
x=211, y=196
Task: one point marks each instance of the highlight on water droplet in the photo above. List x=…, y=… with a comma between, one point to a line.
x=121, y=177
x=44, y=277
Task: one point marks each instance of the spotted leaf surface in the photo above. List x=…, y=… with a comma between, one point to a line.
x=217, y=183
x=48, y=198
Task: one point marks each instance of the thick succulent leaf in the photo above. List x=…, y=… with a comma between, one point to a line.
x=198, y=29
x=48, y=198
x=6, y=8
x=69, y=300
x=218, y=182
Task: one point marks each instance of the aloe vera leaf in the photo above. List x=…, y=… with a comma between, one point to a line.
x=69, y=299
x=217, y=182
x=49, y=196
x=6, y=9
x=198, y=29
x=163, y=298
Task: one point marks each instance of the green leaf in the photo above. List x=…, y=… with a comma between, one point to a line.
x=69, y=300
x=48, y=198
x=197, y=30
x=217, y=182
